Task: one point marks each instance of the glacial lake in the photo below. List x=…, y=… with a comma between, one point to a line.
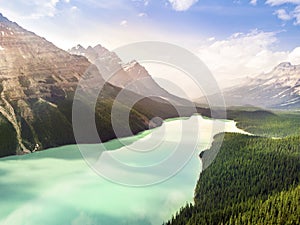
x=57, y=187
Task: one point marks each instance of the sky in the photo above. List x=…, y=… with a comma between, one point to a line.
x=235, y=38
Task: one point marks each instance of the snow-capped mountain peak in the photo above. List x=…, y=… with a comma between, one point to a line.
x=279, y=88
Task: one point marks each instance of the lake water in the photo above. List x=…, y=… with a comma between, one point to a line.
x=57, y=187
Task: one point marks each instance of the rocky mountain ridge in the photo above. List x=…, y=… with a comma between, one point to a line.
x=37, y=86
x=30, y=68
x=278, y=89
x=129, y=75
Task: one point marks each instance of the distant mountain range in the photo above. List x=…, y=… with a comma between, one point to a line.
x=37, y=85
x=278, y=89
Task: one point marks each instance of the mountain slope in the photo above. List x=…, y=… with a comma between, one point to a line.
x=37, y=85
x=34, y=74
x=279, y=89
x=132, y=75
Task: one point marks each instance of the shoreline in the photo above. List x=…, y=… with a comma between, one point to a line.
x=148, y=131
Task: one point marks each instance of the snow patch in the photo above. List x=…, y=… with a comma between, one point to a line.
x=129, y=66
x=49, y=103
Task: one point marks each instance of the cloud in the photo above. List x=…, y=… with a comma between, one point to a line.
x=294, y=56
x=182, y=5
x=243, y=54
x=144, y=3
x=211, y=39
x=107, y=5
x=281, y=2
x=44, y=8
x=296, y=15
x=34, y=9
x=142, y=14
x=282, y=14
x=124, y=23
x=74, y=9
x=293, y=15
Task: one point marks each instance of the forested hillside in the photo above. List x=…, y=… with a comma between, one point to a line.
x=253, y=180
x=267, y=123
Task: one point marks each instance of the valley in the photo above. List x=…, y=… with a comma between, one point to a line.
x=67, y=190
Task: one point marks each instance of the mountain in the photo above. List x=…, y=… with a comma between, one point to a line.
x=132, y=76
x=37, y=85
x=34, y=75
x=278, y=89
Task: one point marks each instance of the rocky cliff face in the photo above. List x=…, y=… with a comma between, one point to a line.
x=32, y=72
x=279, y=89
x=37, y=84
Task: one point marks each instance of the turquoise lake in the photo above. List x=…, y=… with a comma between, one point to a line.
x=58, y=187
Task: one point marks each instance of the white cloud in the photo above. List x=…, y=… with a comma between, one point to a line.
x=294, y=56
x=182, y=5
x=44, y=8
x=285, y=16
x=281, y=2
x=141, y=2
x=211, y=39
x=296, y=15
x=108, y=5
x=243, y=55
x=74, y=9
x=124, y=23
x=282, y=14
x=34, y=9
x=142, y=14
